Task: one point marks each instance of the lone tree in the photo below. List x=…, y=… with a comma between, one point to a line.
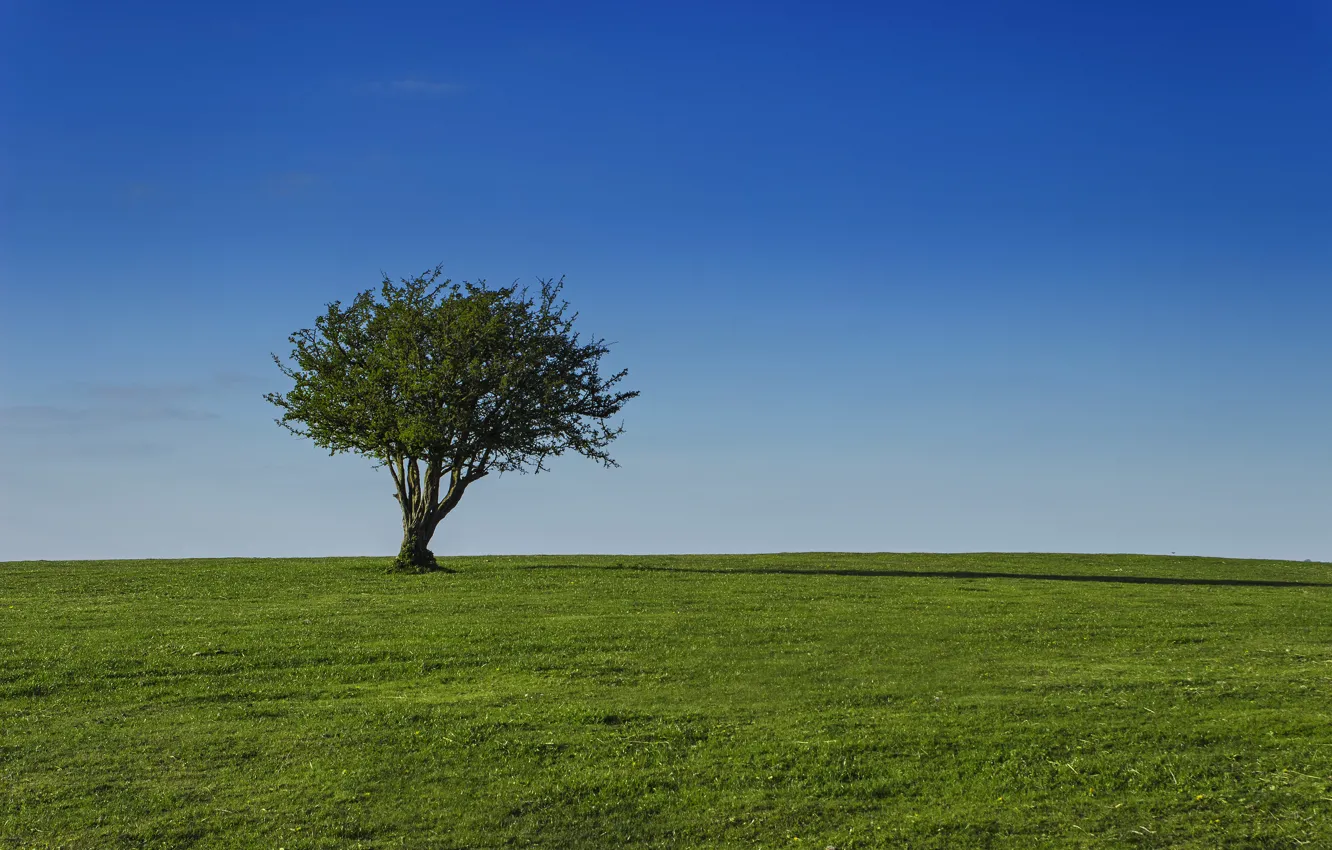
x=445, y=383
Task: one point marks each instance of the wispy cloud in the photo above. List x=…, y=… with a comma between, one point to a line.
x=425, y=87
x=99, y=408
x=46, y=418
x=135, y=393
x=292, y=183
x=230, y=380
x=33, y=416
x=415, y=87
x=115, y=450
x=142, y=193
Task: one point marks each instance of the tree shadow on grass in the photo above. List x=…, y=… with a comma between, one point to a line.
x=953, y=574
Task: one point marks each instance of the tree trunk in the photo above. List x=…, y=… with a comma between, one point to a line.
x=422, y=509
x=415, y=555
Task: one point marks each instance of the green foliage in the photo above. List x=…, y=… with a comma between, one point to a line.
x=444, y=383
x=804, y=700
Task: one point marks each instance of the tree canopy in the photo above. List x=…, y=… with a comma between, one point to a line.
x=445, y=383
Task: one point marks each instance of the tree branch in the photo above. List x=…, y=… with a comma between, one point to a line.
x=401, y=494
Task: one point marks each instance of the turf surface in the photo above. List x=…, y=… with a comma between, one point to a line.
x=805, y=700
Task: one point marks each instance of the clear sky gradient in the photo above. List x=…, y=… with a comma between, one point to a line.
x=945, y=276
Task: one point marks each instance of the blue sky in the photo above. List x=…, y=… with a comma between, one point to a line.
x=948, y=276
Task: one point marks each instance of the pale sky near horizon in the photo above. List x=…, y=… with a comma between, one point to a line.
x=960, y=276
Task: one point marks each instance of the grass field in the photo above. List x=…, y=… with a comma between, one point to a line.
x=595, y=702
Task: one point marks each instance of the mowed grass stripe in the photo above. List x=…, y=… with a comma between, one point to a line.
x=886, y=700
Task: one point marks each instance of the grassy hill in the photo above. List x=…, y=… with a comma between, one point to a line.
x=790, y=701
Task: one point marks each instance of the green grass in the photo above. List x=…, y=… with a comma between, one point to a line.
x=790, y=701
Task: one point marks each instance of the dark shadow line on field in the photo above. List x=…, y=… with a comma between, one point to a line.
x=955, y=574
